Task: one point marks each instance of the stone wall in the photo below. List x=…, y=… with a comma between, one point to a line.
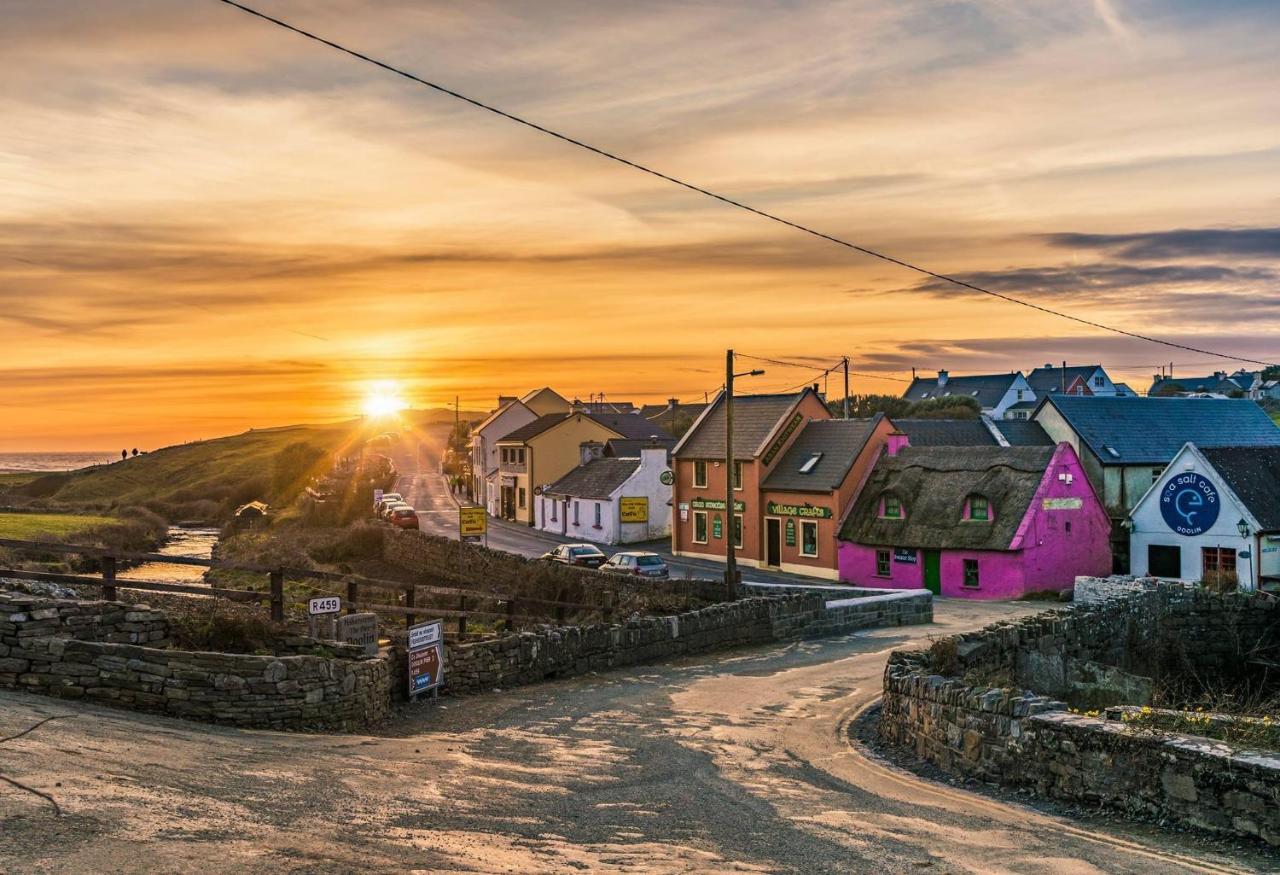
x=79, y=650
x=530, y=657
x=990, y=705
x=1096, y=590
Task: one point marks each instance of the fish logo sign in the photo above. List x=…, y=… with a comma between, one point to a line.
x=1189, y=504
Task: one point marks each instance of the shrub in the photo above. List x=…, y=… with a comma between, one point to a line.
x=359, y=541
x=215, y=626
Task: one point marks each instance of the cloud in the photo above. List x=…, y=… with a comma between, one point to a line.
x=1096, y=282
x=1249, y=243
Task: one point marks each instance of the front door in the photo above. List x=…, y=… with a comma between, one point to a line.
x=773, y=541
x=933, y=571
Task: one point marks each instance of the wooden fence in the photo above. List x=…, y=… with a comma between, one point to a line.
x=470, y=603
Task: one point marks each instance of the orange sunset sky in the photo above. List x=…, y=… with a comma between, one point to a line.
x=208, y=224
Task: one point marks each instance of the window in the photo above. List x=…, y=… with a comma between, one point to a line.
x=1155, y=474
x=522, y=496
x=1219, y=565
x=891, y=507
x=1164, y=560
x=553, y=510
x=520, y=456
x=737, y=474
x=811, y=463
x=700, y=474
x=699, y=527
x=597, y=523
x=979, y=508
x=882, y=563
x=808, y=538
x=1067, y=527
x=1099, y=381
x=575, y=513
x=737, y=531
x=1019, y=394
x=971, y=573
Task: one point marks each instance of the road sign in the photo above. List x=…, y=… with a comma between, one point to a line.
x=329, y=604
x=472, y=521
x=426, y=657
x=377, y=496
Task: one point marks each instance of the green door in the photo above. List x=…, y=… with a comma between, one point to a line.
x=932, y=572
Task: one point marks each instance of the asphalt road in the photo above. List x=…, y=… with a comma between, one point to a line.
x=418, y=461
x=738, y=762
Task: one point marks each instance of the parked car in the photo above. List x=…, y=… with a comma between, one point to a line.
x=392, y=507
x=387, y=498
x=638, y=563
x=583, y=555
x=404, y=518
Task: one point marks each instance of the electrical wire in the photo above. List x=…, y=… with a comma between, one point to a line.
x=603, y=153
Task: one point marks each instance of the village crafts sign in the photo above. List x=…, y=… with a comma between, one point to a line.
x=801, y=510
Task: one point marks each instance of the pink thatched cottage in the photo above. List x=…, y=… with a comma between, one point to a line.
x=975, y=522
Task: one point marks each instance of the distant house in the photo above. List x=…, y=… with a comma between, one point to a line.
x=995, y=393
x=610, y=500
x=1072, y=380
x=484, y=449
x=1126, y=443
x=1215, y=384
x=1213, y=516
x=975, y=522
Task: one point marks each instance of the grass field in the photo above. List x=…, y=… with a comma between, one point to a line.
x=16, y=478
x=30, y=526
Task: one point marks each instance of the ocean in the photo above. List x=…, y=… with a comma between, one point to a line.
x=54, y=461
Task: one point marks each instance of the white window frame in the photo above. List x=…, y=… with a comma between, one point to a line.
x=737, y=475
x=739, y=533
x=575, y=512
x=706, y=530
x=699, y=465
x=598, y=515
x=803, y=552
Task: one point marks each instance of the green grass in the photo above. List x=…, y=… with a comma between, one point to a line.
x=30, y=526
x=16, y=478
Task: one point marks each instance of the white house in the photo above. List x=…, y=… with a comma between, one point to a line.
x=1213, y=516
x=610, y=500
x=1074, y=380
x=484, y=450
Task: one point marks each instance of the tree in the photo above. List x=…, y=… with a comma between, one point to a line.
x=895, y=406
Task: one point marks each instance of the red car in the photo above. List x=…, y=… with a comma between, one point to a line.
x=404, y=518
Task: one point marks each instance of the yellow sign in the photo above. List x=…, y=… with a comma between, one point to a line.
x=472, y=521
x=635, y=510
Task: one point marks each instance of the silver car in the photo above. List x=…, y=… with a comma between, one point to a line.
x=637, y=563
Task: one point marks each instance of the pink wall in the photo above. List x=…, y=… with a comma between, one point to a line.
x=1044, y=555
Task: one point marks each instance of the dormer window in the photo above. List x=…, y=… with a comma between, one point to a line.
x=891, y=507
x=978, y=507
x=810, y=463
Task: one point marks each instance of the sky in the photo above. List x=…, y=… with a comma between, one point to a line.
x=209, y=224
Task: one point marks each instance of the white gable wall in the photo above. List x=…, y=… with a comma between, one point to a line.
x=575, y=518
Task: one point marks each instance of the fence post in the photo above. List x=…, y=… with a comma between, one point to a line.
x=409, y=599
x=606, y=608
x=109, y=578
x=462, y=617
x=511, y=609
x=277, y=595
x=353, y=594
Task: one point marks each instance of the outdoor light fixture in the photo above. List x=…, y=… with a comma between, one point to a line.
x=1243, y=528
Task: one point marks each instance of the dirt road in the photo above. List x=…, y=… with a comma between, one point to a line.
x=735, y=763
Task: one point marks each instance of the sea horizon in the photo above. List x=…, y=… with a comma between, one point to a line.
x=34, y=460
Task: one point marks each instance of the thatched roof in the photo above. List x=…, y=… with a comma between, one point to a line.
x=933, y=482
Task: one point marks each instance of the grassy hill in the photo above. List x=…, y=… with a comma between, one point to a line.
x=204, y=480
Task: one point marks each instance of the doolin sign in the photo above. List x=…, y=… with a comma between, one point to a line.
x=1189, y=504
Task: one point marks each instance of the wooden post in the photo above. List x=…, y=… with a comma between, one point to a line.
x=606, y=608
x=510, y=619
x=109, y=578
x=409, y=599
x=353, y=595
x=277, y=595
x=462, y=617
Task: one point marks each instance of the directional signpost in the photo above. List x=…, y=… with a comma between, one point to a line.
x=426, y=658
x=473, y=522
x=323, y=611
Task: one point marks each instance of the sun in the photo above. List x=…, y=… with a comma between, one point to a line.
x=382, y=400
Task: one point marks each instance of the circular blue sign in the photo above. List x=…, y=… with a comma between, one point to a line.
x=1189, y=504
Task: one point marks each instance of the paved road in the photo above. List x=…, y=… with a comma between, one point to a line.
x=417, y=459
x=732, y=763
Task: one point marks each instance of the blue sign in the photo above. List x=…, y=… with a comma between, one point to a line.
x=1189, y=504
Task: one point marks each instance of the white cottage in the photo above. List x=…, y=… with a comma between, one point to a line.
x=1213, y=515
x=610, y=500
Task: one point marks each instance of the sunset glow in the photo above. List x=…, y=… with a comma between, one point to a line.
x=384, y=399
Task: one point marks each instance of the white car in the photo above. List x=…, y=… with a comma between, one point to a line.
x=387, y=498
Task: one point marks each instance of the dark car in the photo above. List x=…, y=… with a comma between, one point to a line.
x=403, y=518
x=637, y=563
x=583, y=555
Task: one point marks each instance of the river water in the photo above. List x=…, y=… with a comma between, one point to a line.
x=194, y=541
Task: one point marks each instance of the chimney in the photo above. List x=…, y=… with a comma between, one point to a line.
x=1048, y=365
x=942, y=379
x=591, y=450
x=654, y=456
x=1219, y=375
x=897, y=442
x=673, y=403
x=577, y=406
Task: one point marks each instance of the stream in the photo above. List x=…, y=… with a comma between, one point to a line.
x=195, y=541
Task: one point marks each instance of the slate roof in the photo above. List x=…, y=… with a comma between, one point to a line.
x=629, y=448
x=1050, y=379
x=988, y=389
x=1150, y=431
x=1024, y=433
x=597, y=479
x=946, y=432
x=933, y=482
x=754, y=416
x=1253, y=473
x=629, y=425
x=1124, y=389
x=1213, y=383
x=839, y=441
x=535, y=428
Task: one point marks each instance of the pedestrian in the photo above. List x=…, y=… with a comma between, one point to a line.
x=124, y=454
x=135, y=452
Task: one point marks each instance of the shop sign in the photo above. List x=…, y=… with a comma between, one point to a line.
x=472, y=521
x=684, y=511
x=426, y=656
x=807, y=511
x=791, y=532
x=1063, y=503
x=666, y=478
x=905, y=555
x=716, y=504
x=717, y=527
x=1189, y=504
x=787, y=430
x=634, y=509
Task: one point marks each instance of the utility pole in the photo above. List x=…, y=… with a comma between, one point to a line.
x=730, y=560
x=846, y=387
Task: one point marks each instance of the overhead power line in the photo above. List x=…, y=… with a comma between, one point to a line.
x=603, y=153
